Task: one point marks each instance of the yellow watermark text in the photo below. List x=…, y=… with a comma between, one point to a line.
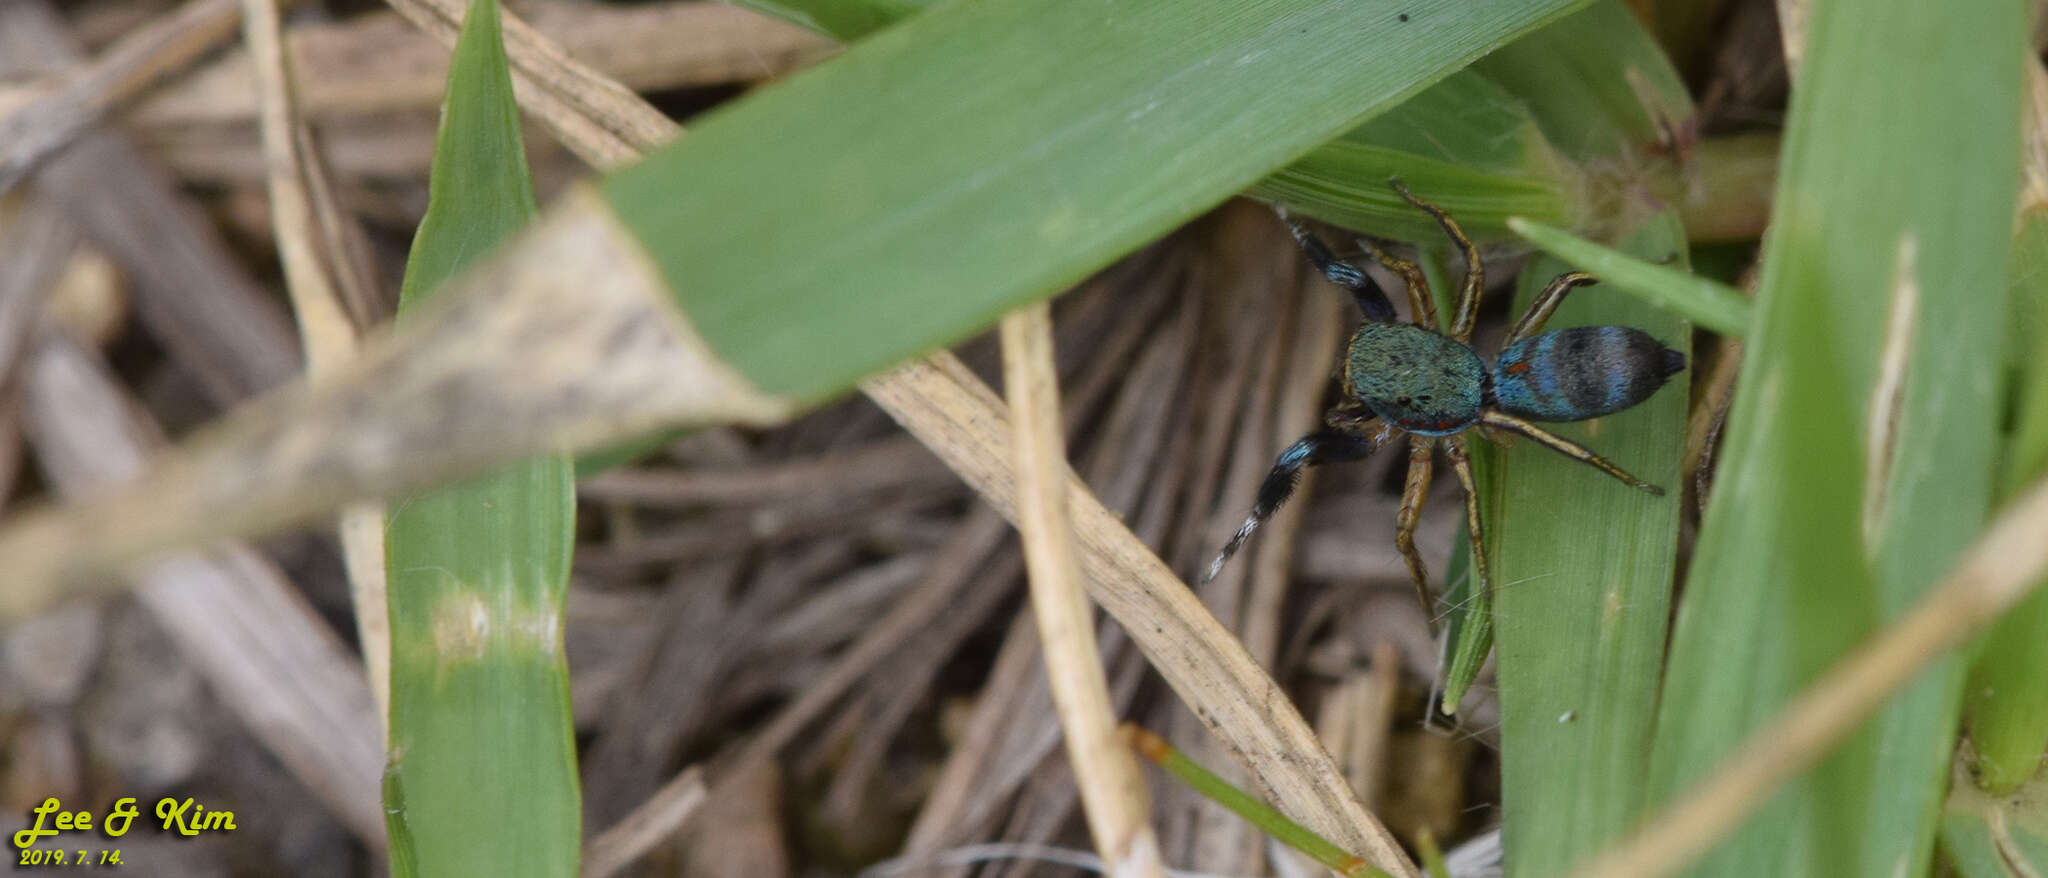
x=50, y=820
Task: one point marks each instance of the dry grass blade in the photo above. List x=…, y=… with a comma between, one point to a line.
x=191, y=293
x=980, y=766
x=2004, y=566
x=892, y=464
x=606, y=356
x=956, y=566
x=33, y=254
x=323, y=266
x=941, y=402
x=43, y=126
x=1112, y=793
x=331, y=293
x=600, y=120
x=646, y=827
x=267, y=653
x=379, y=63
x=1320, y=327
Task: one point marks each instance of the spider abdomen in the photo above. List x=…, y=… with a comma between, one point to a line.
x=1420, y=381
x=1582, y=372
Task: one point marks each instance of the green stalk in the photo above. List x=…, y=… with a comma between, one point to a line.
x=482, y=775
x=2007, y=701
x=1721, y=187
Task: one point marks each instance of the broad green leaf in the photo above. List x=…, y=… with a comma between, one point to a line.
x=482, y=777
x=1464, y=139
x=941, y=171
x=1801, y=552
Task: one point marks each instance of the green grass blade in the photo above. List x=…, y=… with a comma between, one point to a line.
x=1789, y=570
x=1468, y=611
x=1715, y=306
x=905, y=193
x=483, y=772
x=1246, y=805
x=1433, y=863
x=1583, y=571
x=2008, y=694
x=1467, y=142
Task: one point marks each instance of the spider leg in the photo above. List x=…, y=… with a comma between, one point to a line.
x=1370, y=298
x=1412, y=498
x=1322, y=446
x=1566, y=447
x=1349, y=416
x=1454, y=448
x=1420, y=302
x=1546, y=304
x=1475, y=278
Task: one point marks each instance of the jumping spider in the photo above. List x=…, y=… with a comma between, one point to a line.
x=1410, y=378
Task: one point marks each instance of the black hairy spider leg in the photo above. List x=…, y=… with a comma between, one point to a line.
x=1546, y=304
x=1320, y=447
x=1566, y=447
x=1421, y=302
x=1461, y=463
x=1412, y=497
x=1367, y=293
x=1475, y=273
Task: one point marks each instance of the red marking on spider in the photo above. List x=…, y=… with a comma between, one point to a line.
x=1518, y=368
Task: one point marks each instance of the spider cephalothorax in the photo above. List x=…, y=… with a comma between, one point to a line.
x=1410, y=378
